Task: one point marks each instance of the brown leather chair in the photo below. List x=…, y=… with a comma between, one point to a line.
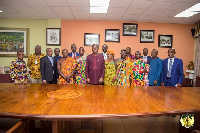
x=197, y=81
x=187, y=82
x=5, y=78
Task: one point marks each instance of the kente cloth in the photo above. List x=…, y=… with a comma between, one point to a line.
x=80, y=70
x=110, y=73
x=18, y=71
x=34, y=65
x=124, y=67
x=95, y=68
x=67, y=66
x=139, y=78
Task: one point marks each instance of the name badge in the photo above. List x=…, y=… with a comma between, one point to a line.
x=35, y=62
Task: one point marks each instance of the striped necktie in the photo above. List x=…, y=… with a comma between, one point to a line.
x=170, y=69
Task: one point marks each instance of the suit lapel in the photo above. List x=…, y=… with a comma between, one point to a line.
x=48, y=60
x=166, y=66
x=174, y=63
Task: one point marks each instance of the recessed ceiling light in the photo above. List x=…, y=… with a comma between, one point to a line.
x=99, y=2
x=99, y=6
x=1, y=11
x=98, y=9
x=190, y=11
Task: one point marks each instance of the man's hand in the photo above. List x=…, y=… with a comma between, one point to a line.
x=44, y=82
x=67, y=79
x=88, y=80
x=101, y=80
x=155, y=83
x=162, y=84
x=178, y=85
x=144, y=71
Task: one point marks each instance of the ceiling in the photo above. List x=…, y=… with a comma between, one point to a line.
x=159, y=11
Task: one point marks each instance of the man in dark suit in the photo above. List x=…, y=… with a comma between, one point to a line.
x=172, y=74
x=73, y=54
x=105, y=49
x=48, y=68
x=145, y=56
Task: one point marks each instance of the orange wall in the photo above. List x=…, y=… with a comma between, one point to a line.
x=73, y=32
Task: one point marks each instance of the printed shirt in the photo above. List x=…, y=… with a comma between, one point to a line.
x=18, y=71
x=34, y=65
x=139, y=78
x=67, y=66
x=124, y=72
x=80, y=70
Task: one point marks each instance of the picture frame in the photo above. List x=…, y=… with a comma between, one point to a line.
x=91, y=38
x=53, y=36
x=112, y=35
x=146, y=36
x=165, y=41
x=12, y=40
x=130, y=29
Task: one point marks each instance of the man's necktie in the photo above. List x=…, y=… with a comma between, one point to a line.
x=170, y=69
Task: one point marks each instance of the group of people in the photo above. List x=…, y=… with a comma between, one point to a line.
x=98, y=68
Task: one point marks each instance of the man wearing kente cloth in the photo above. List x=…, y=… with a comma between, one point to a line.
x=80, y=67
x=124, y=70
x=95, y=67
x=140, y=70
x=66, y=68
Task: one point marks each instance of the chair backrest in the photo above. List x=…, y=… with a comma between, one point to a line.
x=197, y=81
x=17, y=128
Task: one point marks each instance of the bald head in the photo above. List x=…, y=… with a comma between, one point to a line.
x=154, y=53
x=49, y=52
x=95, y=48
x=171, y=52
x=104, y=48
x=37, y=49
x=65, y=53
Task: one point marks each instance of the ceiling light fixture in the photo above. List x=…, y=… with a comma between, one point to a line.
x=1, y=11
x=99, y=6
x=190, y=11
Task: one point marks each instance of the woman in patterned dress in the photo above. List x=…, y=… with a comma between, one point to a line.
x=80, y=77
x=110, y=69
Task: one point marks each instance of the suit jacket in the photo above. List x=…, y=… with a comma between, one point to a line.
x=176, y=72
x=148, y=59
x=47, y=69
x=70, y=54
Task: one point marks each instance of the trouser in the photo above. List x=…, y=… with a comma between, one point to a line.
x=169, y=82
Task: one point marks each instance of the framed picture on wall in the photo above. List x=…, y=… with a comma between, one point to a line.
x=12, y=40
x=91, y=38
x=130, y=29
x=146, y=36
x=112, y=35
x=53, y=36
x=165, y=41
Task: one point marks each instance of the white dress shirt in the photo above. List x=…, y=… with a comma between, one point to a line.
x=105, y=56
x=145, y=58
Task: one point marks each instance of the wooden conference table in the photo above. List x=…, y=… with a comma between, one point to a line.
x=85, y=102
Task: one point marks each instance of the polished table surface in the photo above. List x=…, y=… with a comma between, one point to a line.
x=94, y=101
